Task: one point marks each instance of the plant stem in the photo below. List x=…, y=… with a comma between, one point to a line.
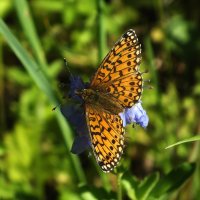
x=119, y=187
x=100, y=30
x=25, y=18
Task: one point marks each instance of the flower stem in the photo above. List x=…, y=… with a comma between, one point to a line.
x=100, y=30
x=119, y=186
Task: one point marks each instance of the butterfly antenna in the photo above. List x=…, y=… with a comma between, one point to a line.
x=65, y=62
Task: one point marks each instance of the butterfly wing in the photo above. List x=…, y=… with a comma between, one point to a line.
x=106, y=132
x=118, y=73
x=118, y=79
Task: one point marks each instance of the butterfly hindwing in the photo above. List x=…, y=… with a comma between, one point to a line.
x=106, y=131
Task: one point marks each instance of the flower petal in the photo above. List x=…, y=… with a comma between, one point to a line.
x=80, y=144
x=76, y=83
x=76, y=117
x=135, y=114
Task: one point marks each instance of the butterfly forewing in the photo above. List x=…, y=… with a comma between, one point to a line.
x=119, y=71
x=106, y=131
x=126, y=90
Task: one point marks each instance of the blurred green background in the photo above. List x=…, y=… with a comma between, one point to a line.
x=35, y=158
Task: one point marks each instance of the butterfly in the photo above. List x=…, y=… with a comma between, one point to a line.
x=116, y=85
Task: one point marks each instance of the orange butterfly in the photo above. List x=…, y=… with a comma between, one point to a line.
x=116, y=85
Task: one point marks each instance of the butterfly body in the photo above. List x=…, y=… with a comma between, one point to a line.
x=100, y=100
x=116, y=85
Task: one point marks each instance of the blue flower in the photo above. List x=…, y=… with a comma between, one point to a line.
x=75, y=115
x=76, y=83
x=76, y=118
x=135, y=114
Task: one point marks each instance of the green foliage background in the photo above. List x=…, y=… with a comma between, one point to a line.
x=35, y=158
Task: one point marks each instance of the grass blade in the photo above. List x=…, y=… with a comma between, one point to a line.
x=28, y=26
x=192, y=139
x=43, y=83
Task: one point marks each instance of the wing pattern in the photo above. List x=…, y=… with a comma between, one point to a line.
x=119, y=73
x=117, y=78
x=106, y=131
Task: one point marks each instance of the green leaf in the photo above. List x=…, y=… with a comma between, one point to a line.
x=173, y=180
x=130, y=185
x=94, y=193
x=30, y=65
x=147, y=185
x=29, y=28
x=192, y=139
